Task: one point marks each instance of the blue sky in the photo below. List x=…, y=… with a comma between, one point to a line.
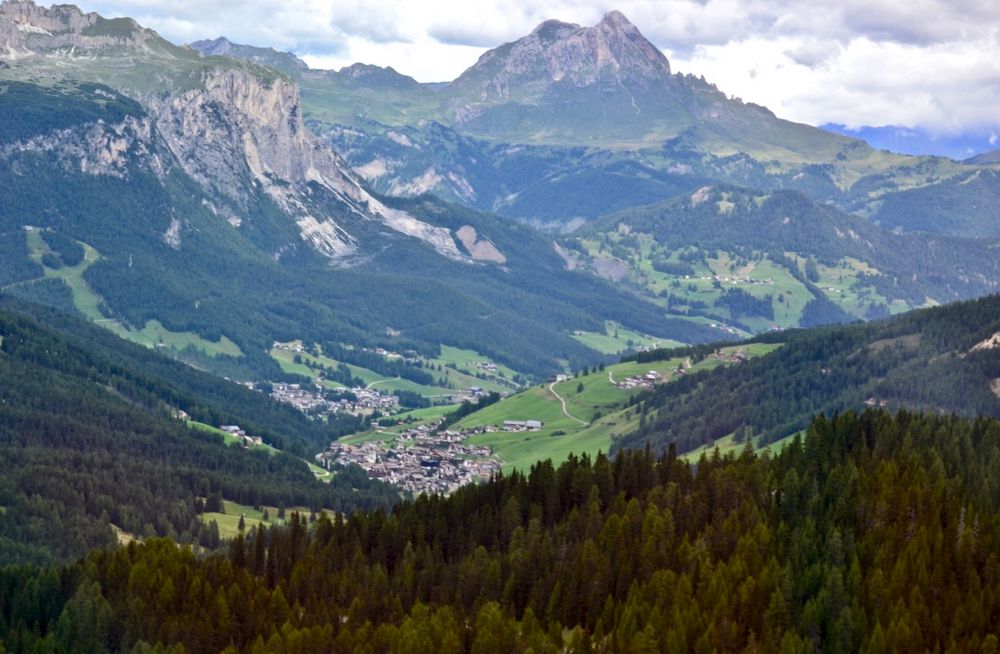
x=933, y=64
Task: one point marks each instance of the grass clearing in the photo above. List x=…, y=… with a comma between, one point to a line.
x=617, y=339
x=252, y=517
x=88, y=303
x=451, y=381
x=729, y=445
x=592, y=398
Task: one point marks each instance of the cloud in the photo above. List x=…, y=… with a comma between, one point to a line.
x=945, y=87
x=930, y=63
x=813, y=53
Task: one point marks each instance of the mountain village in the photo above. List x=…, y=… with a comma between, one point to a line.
x=420, y=460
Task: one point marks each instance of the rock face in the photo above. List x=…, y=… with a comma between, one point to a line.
x=234, y=128
x=613, y=52
x=27, y=29
x=562, y=79
x=99, y=148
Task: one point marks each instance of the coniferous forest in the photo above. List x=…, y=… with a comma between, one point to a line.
x=355, y=286
x=873, y=533
x=89, y=438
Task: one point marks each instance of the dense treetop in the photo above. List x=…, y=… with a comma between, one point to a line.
x=874, y=533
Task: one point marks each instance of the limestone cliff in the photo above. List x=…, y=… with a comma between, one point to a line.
x=235, y=128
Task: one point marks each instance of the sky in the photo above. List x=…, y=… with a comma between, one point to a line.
x=929, y=64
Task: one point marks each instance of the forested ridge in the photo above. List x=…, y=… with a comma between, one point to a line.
x=88, y=439
x=924, y=360
x=747, y=223
x=399, y=293
x=873, y=533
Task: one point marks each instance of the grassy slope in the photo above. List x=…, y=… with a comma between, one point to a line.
x=617, y=339
x=230, y=520
x=235, y=441
x=729, y=445
x=840, y=282
x=456, y=379
x=87, y=302
x=598, y=397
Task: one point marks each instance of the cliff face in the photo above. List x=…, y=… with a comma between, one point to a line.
x=27, y=29
x=609, y=53
x=235, y=128
x=240, y=133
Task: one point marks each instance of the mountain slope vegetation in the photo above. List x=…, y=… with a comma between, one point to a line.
x=194, y=275
x=779, y=259
x=941, y=360
x=92, y=438
x=872, y=533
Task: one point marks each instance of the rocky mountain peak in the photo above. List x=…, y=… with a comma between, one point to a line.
x=609, y=53
x=55, y=19
x=615, y=19
x=27, y=29
x=217, y=46
x=554, y=29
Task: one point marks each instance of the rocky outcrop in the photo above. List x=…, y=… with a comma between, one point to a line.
x=97, y=148
x=238, y=118
x=27, y=29
x=479, y=248
x=234, y=128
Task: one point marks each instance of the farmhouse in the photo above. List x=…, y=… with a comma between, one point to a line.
x=522, y=425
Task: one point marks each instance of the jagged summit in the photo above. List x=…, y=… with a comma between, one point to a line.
x=217, y=46
x=617, y=20
x=613, y=51
x=27, y=28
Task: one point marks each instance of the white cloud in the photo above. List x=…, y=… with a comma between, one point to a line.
x=932, y=63
x=944, y=87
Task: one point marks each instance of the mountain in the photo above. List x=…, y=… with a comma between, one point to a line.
x=943, y=360
x=235, y=129
x=549, y=127
x=200, y=196
x=285, y=62
x=569, y=85
x=991, y=157
x=570, y=123
x=99, y=436
x=965, y=205
x=778, y=259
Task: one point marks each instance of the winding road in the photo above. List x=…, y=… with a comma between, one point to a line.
x=381, y=381
x=552, y=389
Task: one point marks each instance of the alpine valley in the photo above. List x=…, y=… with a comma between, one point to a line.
x=572, y=353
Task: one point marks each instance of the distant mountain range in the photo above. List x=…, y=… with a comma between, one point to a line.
x=232, y=196
x=920, y=142
x=572, y=122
